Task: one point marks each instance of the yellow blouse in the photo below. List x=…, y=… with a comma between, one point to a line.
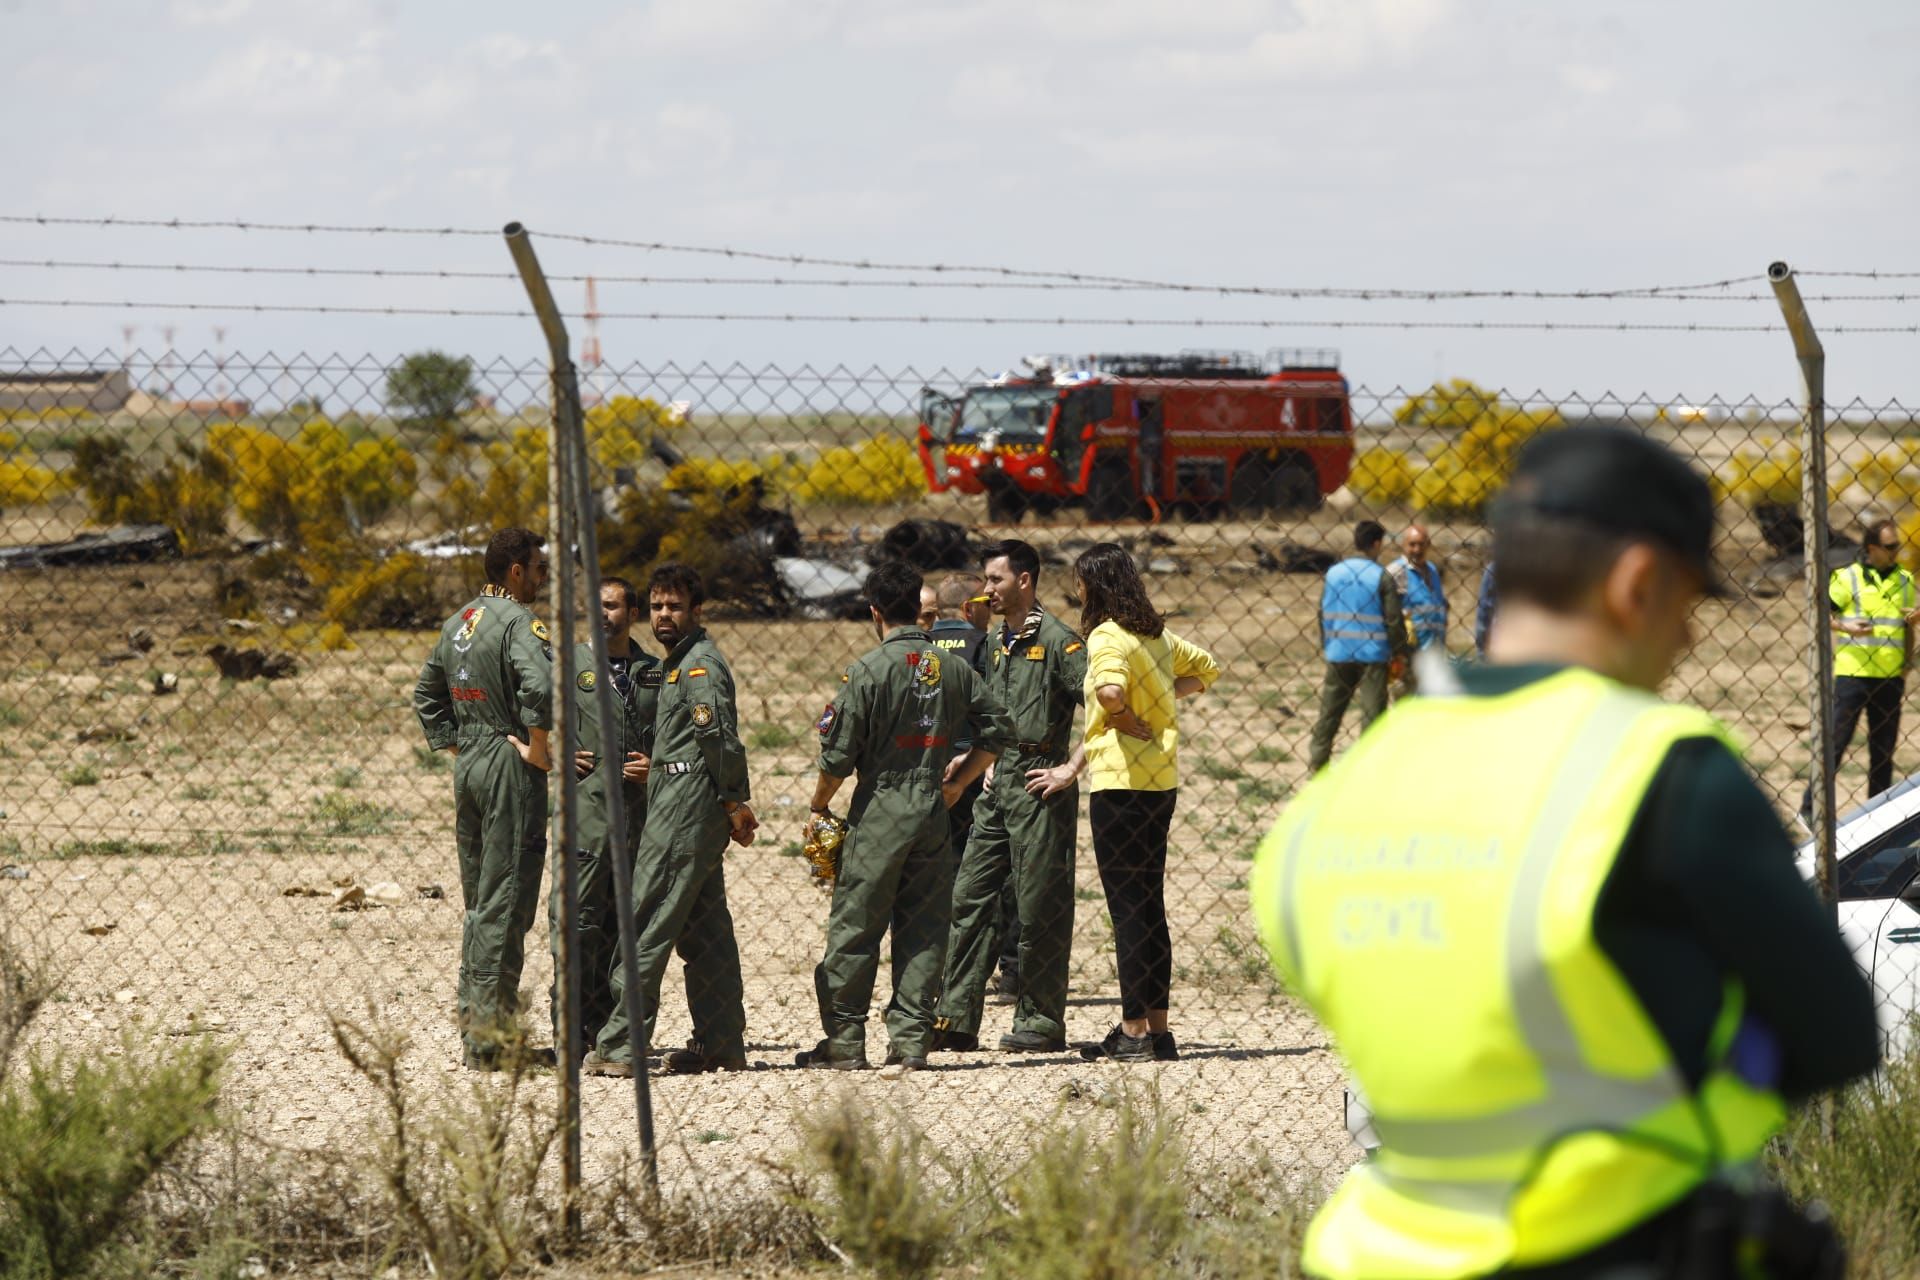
x=1146, y=669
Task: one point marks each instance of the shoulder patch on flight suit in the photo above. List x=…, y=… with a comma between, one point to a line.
x=540, y=631
x=702, y=715
x=673, y=676
x=1074, y=647
x=1036, y=653
x=585, y=681
x=650, y=678
x=695, y=671
x=825, y=723
x=469, y=623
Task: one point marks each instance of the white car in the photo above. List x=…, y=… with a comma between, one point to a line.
x=1877, y=864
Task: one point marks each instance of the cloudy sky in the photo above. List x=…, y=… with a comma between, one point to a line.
x=1382, y=144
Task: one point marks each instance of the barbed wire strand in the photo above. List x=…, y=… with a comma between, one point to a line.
x=791, y=317
x=791, y=259
x=1298, y=294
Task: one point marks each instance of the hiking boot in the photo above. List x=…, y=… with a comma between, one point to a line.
x=1031, y=1042
x=1004, y=986
x=1164, y=1048
x=902, y=1062
x=953, y=1042
x=1120, y=1047
x=595, y=1065
x=695, y=1060
x=511, y=1059
x=821, y=1056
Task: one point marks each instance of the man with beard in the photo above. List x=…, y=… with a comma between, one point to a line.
x=696, y=801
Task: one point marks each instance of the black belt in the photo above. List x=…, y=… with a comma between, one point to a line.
x=672, y=767
x=1036, y=748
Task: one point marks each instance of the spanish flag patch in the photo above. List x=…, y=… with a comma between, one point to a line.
x=1075, y=647
x=695, y=671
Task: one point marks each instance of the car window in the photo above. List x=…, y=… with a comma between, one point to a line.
x=1881, y=874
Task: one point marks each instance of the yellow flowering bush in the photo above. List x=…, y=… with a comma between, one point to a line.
x=1384, y=476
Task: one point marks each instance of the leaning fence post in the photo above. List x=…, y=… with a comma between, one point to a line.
x=569, y=487
x=1813, y=504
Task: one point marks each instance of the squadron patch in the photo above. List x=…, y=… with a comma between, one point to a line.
x=540, y=632
x=673, y=676
x=929, y=670
x=1037, y=653
x=469, y=623
x=825, y=723
x=702, y=715
x=585, y=681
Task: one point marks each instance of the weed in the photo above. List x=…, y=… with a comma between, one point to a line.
x=462, y=1176
x=1083, y=894
x=884, y=1211
x=1221, y=770
x=1258, y=791
x=712, y=1135
x=772, y=737
x=433, y=761
x=1235, y=962
x=110, y=847
x=199, y=791
x=11, y=716
x=10, y=847
x=1271, y=755
x=81, y=775
x=346, y=777
x=341, y=815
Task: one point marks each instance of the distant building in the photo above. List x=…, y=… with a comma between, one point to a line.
x=90, y=390
x=235, y=409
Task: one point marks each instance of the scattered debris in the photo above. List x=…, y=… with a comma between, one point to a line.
x=433, y=891
x=105, y=733
x=821, y=589
x=351, y=898
x=117, y=656
x=127, y=544
x=12, y=872
x=241, y=625
x=302, y=891
x=140, y=640
x=165, y=682
x=125, y=995
x=926, y=544
x=1163, y=564
x=252, y=664
x=385, y=893
x=1295, y=558
x=100, y=930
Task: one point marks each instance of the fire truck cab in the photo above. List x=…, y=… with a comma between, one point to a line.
x=1126, y=436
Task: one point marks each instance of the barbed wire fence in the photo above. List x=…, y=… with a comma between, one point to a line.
x=223, y=572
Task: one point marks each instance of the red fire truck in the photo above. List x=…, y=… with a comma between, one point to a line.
x=1135, y=435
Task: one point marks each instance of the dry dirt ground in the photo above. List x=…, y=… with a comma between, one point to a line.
x=154, y=858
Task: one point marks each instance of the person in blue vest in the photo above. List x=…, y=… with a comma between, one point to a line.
x=1483, y=611
x=1422, y=595
x=1363, y=630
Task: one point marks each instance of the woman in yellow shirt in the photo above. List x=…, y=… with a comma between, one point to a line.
x=1137, y=671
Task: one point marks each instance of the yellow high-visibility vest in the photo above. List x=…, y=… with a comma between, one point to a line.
x=1884, y=604
x=1527, y=1107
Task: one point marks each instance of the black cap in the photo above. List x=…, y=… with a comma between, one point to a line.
x=1621, y=481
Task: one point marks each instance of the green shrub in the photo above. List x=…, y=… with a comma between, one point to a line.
x=81, y=1135
x=396, y=593
x=886, y=1212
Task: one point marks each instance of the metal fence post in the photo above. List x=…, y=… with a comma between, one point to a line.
x=570, y=486
x=1813, y=503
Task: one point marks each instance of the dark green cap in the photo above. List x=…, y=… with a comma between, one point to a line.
x=1621, y=481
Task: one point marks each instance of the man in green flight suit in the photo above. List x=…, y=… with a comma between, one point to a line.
x=903, y=707
x=622, y=753
x=1036, y=666
x=696, y=801
x=486, y=695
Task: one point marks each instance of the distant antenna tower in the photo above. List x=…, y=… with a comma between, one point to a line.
x=126, y=351
x=220, y=363
x=166, y=361
x=590, y=344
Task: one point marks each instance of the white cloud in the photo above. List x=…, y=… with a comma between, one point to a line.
x=210, y=13
x=1592, y=81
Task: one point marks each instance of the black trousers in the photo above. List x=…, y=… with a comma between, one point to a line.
x=1130, y=845
x=1879, y=697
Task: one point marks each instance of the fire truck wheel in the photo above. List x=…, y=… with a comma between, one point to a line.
x=1295, y=486
x=1251, y=490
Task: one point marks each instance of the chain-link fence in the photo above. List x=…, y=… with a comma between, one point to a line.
x=221, y=579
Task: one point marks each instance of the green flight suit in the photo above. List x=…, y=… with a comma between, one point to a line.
x=904, y=705
x=1038, y=679
x=679, y=885
x=596, y=931
x=490, y=677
